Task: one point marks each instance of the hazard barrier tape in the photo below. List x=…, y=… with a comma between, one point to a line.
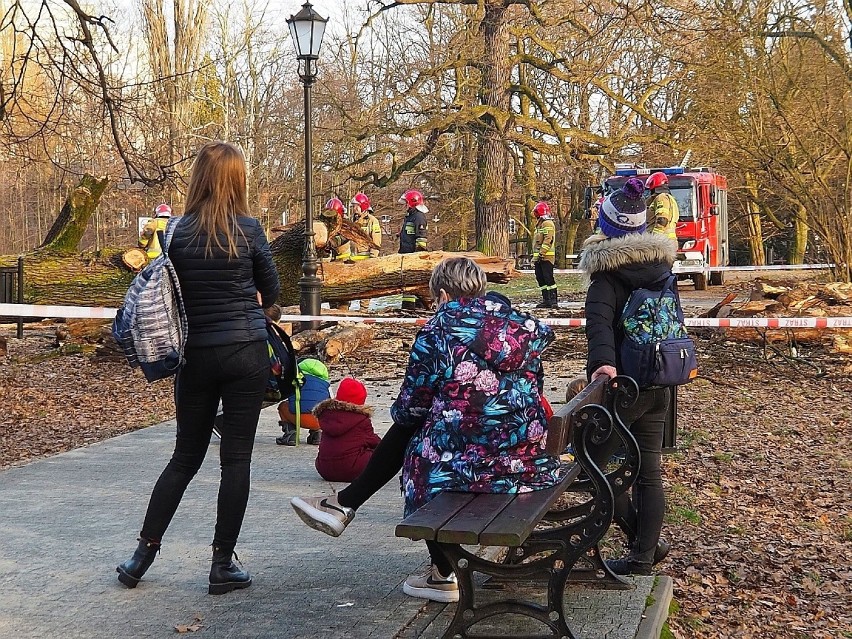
x=100, y=312
x=772, y=267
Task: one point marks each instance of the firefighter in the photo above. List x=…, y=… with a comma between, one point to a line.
x=662, y=207
x=544, y=255
x=337, y=247
x=363, y=216
x=412, y=235
x=149, y=240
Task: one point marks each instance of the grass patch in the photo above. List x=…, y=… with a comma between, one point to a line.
x=692, y=437
x=846, y=529
x=681, y=506
x=725, y=458
x=525, y=288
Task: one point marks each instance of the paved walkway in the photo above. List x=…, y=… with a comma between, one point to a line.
x=68, y=520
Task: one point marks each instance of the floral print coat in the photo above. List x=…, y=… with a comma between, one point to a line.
x=473, y=390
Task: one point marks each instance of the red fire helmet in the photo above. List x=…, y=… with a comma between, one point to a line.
x=414, y=200
x=164, y=210
x=362, y=202
x=542, y=209
x=656, y=180
x=334, y=204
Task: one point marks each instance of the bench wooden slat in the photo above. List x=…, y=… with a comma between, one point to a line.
x=464, y=528
x=513, y=524
x=559, y=426
x=425, y=523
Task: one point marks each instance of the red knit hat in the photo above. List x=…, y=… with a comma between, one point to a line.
x=351, y=391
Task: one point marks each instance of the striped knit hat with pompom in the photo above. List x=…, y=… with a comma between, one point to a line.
x=623, y=211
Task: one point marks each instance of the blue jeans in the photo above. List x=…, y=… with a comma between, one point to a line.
x=236, y=374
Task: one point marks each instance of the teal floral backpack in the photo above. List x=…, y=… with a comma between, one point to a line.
x=657, y=351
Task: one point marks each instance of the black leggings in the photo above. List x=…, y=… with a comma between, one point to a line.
x=237, y=375
x=384, y=465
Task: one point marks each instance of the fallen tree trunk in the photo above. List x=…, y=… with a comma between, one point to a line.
x=53, y=276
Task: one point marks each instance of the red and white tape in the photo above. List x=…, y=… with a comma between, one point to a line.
x=100, y=312
x=772, y=267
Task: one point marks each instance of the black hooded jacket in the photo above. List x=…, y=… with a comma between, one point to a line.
x=220, y=292
x=615, y=268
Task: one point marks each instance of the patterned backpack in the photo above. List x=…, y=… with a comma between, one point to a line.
x=656, y=350
x=151, y=325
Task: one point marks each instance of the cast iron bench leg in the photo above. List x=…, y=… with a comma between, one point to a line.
x=468, y=614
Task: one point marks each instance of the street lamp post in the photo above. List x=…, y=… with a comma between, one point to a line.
x=307, y=29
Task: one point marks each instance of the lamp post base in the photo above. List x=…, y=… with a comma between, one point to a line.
x=310, y=302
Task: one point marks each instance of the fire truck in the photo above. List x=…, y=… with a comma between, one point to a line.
x=702, y=230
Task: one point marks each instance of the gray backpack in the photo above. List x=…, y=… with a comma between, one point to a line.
x=151, y=325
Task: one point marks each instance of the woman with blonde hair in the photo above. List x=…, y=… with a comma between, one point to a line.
x=469, y=416
x=223, y=262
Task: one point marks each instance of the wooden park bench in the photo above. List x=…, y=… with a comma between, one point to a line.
x=545, y=543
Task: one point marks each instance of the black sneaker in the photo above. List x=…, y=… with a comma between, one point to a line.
x=314, y=437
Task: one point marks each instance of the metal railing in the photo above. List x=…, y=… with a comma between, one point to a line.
x=12, y=289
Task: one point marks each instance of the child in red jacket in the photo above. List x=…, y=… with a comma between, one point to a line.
x=348, y=438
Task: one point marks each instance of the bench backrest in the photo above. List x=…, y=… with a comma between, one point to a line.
x=559, y=426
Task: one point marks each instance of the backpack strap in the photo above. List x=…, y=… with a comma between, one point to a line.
x=166, y=238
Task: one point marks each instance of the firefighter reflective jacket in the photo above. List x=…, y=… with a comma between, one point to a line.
x=663, y=215
x=370, y=226
x=544, y=241
x=149, y=240
x=412, y=236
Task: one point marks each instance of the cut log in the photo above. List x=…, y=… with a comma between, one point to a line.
x=755, y=307
x=135, y=259
x=306, y=339
x=843, y=344
x=90, y=331
x=345, y=341
x=765, y=290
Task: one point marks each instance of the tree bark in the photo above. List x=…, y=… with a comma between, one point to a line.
x=492, y=163
x=64, y=236
x=799, y=245
x=755, y=232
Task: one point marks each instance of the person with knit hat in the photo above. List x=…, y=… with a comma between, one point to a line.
x=295, y=411
x=348, y=439
x=619, y=259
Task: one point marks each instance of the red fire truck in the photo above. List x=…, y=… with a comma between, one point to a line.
x=702, y=230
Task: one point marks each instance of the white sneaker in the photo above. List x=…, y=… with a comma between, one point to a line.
x=433, y=586
x=323, y=514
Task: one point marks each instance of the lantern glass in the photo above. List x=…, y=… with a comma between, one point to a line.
x=307, y=29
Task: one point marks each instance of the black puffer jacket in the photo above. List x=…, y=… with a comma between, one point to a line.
x=220, y=294
x=615, y=268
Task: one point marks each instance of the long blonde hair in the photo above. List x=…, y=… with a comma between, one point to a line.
x=217, y=194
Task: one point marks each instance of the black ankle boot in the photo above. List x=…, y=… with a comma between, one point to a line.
x=224, y=574
x=131, y=571
x=289, y=436
x=314, y=437
x=554, y=298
